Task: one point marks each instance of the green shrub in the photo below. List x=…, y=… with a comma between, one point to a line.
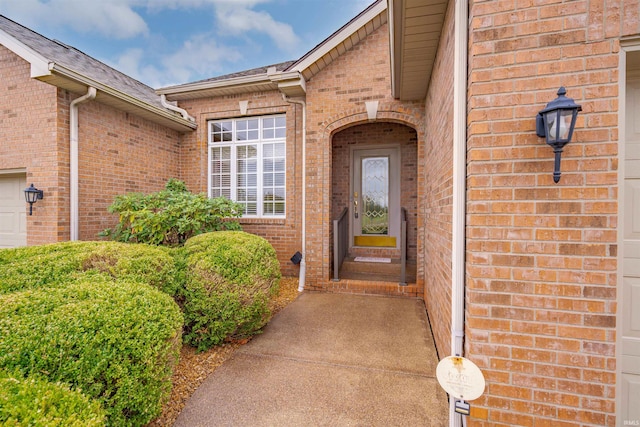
x=229, y=277
x=37, y=266
x=114, y=341
x=37, y=402
x=59, y=263
x=171, y=216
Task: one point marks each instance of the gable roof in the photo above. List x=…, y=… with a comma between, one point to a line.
x=63, y=66
x=289, y=77
x=415, y=28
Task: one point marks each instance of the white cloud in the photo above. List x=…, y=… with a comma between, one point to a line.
x=144, y=55
x=237, y=20
x=200, y=55
x=155, y=5
x=113, y=18
x=118, y=19
x=129, y=63
x=237, y=17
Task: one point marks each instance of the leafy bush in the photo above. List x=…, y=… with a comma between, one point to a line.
x=229, y=277
x=31, y=401
x=58, y=263
x=37, y=266
x=114, y=341
x=171, y=216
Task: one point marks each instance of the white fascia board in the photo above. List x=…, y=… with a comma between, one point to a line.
x=101, y=87
x=290, y=82
x=216, y=84
x=339, y=37
x=395, y=13
x=39, y=64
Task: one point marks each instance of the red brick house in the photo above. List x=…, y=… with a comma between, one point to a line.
x=426, y=105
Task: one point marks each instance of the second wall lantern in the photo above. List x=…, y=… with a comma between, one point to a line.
x=556, y=123
x=31, y=195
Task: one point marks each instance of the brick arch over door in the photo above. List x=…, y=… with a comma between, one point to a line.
x=373, y=135
x=319, y=169
x=409, y=115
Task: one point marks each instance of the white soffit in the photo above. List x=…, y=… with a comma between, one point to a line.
x=415, y=34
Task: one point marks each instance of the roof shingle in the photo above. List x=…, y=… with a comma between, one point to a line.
x=76, y=60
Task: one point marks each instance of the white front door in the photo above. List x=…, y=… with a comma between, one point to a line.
x=630, y=301
x=13, y=210
x=375, y=199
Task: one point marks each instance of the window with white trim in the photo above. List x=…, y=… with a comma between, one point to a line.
x=247, y=163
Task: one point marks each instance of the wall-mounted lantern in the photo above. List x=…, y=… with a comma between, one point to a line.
x=557, y=122
x=32, y=194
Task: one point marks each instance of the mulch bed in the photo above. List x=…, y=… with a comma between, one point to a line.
x=195, y=367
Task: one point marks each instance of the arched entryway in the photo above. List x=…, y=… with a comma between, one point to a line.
x=374, y=189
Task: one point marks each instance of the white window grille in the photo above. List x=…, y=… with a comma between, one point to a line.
x=247, y=163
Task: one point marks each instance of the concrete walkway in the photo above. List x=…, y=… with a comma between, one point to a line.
x=329, y=360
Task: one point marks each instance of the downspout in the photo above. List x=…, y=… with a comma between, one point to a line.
x=73, y=160
x=459, y=188
x=303, y=261
x=182, y=111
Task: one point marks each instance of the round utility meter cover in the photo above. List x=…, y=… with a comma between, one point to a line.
x=460, y=377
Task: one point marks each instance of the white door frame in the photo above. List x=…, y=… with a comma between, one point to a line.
x=627, y=46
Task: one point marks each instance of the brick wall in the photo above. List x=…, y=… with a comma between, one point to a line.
x=119, y=153
x=437, y=187
x=28, y=124
x=542, y=257
x=284, y=234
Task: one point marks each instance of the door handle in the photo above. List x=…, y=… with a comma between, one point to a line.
x=355, y=205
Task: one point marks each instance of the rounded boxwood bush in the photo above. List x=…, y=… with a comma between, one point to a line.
x=113, y=341
x=229, y=278
x=37, y=402
x=59, y=263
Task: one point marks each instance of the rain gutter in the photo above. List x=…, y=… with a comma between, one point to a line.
x=182, y=111
x=63, y=71
x=73, y=160
x=233, y=82
x=303, y=261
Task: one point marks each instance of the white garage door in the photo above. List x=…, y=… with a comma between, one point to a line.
x=13, y=211
x=630, y=302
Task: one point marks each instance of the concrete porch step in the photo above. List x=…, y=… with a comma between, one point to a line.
x=381, y=272
x=352, y=266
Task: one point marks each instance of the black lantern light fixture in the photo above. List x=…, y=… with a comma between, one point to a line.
x=556, y=123
x=32, y=194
